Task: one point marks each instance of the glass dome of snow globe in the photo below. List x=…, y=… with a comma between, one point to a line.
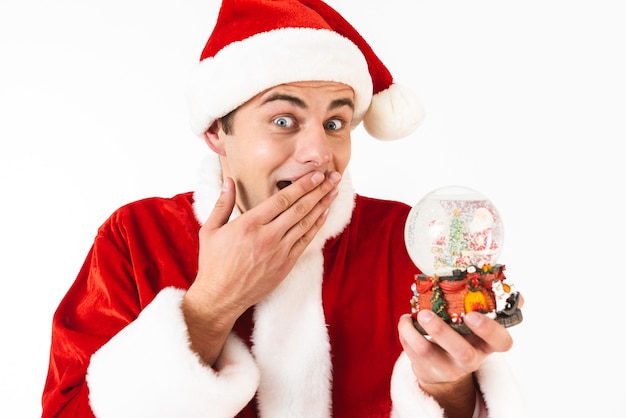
x=453, y=228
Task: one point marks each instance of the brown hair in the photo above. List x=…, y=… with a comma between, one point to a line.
x=227, y=122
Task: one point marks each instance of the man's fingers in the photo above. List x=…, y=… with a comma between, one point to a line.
x=418, y=347
x=223, y=207
x=306, y=230
x=287, y=196
x=308, y=215
x=297, y=200
x=488, y=336
x=493, y=335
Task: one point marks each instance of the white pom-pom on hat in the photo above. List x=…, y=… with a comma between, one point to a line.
x=394, y=113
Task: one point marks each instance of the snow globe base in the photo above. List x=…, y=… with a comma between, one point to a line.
x=485, y=290
x=504, y=320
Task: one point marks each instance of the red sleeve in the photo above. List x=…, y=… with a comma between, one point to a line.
x=93, y=311
x=142, y=248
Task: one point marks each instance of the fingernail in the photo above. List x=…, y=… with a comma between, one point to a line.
x=425, y=317
x=334, y=177
x=474, y=318
x=317, y=177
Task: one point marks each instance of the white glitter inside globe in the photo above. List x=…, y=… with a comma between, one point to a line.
x=453, y=228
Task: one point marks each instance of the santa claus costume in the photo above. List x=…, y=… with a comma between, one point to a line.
x=325, y=342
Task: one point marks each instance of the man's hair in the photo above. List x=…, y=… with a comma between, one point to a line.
x=227, y=122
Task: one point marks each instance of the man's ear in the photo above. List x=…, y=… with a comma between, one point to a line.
x=214, y=138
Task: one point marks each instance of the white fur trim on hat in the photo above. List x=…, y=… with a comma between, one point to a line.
x=243, y=69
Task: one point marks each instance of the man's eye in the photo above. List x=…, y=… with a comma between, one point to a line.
x=284, y=121
x=333, y=124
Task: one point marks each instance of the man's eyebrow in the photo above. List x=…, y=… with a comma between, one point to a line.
x=286, y=97
x=335, y=104
x=341, y=102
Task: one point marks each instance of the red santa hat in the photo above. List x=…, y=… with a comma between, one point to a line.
x=258, y=44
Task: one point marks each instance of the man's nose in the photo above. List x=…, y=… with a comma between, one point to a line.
x=314, y=147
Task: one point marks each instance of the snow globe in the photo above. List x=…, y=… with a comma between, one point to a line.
x=454, y=235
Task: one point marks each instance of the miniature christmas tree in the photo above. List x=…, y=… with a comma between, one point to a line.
x=439, y=303
x=457, y=242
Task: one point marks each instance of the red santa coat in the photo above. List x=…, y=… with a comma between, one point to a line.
x=324, y=343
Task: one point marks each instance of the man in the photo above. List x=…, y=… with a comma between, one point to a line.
x=272, y=290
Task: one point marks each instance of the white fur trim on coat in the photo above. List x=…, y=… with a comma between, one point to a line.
x=501, y=391
x=168, y=379
x=498, y=385
x=292, y=347
x=406, y=396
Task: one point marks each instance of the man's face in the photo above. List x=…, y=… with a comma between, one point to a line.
x=282, y=134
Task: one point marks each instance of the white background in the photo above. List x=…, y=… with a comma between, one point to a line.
x=525, y=102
